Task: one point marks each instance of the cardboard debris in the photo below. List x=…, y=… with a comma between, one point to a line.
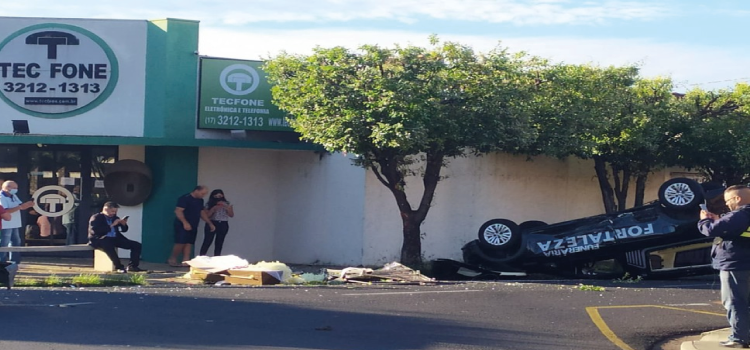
x=233, y=270
x=392, y=272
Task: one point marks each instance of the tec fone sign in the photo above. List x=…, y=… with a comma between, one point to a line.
x=56, y=70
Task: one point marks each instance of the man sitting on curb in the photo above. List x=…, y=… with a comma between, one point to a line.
x=731, y=256
x=105, y=234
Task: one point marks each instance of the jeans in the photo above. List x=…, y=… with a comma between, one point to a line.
x=10, y=238
x=70, y=229
x=735, y=292
x=109, y=245
x=222, y=228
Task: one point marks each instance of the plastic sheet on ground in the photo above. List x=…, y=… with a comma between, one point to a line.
x=215, y=264
x=391, y=272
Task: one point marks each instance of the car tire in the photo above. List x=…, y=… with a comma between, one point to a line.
x=499, y=234
x=530, y=225
x=680, y=194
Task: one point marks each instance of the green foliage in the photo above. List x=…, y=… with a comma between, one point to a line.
x=85, y=280
x=402, y=111
x=590, y=288
x=711, y=133
x=52, y=280
x=405, y=100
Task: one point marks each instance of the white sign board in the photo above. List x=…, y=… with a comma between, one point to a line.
x=53, y=201
x=73, y=77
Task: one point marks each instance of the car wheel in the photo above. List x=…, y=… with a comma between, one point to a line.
x=530, y=225
x=680, y=194
x=499, y=234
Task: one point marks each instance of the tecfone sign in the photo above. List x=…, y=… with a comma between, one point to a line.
x=53, y=70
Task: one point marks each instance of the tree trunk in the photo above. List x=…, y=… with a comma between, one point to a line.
x=600, y=166
x=622, y=186
x=640, y=188
x=411, y=248
x=389, y=173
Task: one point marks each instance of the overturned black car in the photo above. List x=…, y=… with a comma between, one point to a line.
x=659, y=239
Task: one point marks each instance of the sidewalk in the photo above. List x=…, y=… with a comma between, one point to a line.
x=709, y=341
x=158, y=273
x=41, y=267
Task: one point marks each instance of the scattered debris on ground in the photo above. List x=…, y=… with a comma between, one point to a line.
x=390, y=273
x=232, y=270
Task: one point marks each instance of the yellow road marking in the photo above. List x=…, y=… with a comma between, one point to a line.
x=606, y=331
x=593, y=312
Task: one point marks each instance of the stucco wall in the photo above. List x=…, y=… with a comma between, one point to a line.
x=480, y=189
x=249, y=180
x=320, y=214
x=299, y=207
x=292, y=206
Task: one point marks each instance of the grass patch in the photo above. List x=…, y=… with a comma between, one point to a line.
x=592, y=288
x=84, y=280
x=627, y=278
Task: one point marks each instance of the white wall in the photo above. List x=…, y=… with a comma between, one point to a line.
x=249, y=180
x=480, y=189
x=292, y=206
x=297, y=207
x=135, y=222
x=320, y=214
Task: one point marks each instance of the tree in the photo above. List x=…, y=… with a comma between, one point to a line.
x=609, y=115
x=407, y=110
x=711, y=134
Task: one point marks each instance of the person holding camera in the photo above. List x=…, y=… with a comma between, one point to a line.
x=219, y=211
x=105, y=233
x=731, y=256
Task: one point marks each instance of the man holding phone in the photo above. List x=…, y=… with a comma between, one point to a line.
x=731, y=256
x=105, y=234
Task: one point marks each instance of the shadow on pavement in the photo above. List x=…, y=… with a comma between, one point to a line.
x=150, y=320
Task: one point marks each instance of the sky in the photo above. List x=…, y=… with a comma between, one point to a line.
x=699, y=44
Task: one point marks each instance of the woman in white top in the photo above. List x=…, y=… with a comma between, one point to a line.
x=219, y=211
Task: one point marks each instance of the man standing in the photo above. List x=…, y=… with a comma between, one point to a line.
x=731, y=256
x=11, y=235
x=105, y=233
x=188, y=214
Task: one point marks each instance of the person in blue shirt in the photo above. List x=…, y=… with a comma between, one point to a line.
x=105, y=233
x=731, y=256
x=188, y=214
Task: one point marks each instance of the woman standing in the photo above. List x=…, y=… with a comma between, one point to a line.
x=219, y=211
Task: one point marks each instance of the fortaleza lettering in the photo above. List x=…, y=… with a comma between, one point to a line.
x=591, y=241
x=55, y=70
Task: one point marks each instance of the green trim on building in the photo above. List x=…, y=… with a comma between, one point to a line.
x=172, y=79
x=175, y=172
x=153, y=141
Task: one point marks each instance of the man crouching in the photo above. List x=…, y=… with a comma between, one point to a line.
x=105, y=234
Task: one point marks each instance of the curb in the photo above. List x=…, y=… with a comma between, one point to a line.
x=709, y=340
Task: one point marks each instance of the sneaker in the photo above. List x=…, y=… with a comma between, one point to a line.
x=121, y=270
x=135, y=269
x=734, y=344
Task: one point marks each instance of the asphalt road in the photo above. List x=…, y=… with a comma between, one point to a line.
x=494, y=315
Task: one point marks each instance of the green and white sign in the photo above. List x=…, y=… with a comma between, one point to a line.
x=54, y=70
x=235, y=95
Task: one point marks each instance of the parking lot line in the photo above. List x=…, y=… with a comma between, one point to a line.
x=593, y=312
x=422, y=292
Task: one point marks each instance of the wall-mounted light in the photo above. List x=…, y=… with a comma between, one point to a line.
x=20, y=127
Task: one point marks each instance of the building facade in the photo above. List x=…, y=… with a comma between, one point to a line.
x=93, y=92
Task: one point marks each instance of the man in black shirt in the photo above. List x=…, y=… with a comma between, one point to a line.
x=188, y=214
x=105, y=233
